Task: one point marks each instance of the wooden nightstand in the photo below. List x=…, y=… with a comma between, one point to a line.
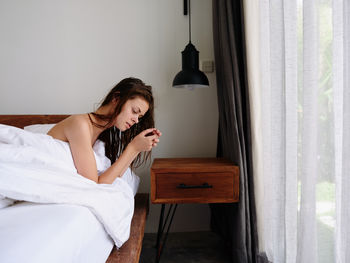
x=190, y=180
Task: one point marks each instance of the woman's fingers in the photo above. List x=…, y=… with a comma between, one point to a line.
x=158, y=132
x=147, y=139
x=151, y=132
x=148, y=132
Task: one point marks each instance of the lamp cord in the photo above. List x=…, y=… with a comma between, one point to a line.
x=189, y=17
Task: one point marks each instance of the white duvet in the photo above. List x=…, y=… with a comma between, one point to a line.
x=37, y=168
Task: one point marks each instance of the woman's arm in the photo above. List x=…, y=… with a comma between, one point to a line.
x=78, y=134
x=139, y=144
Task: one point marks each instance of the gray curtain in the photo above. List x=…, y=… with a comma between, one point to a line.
x=235, y=223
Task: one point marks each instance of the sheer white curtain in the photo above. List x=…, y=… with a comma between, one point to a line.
x=299, y=75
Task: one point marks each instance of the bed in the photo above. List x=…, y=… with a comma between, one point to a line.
x=34, y=232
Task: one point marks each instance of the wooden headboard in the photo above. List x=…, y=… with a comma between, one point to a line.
x=21, y=121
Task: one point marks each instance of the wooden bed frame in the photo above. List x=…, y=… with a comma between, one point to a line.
x=131, y=250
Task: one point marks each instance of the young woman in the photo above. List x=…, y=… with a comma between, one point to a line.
x=124, y=122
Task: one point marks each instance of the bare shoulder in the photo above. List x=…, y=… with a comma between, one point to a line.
x=72, y=126
x=78, y=123
x=77, y=120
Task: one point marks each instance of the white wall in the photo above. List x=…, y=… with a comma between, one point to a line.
x=64, y=56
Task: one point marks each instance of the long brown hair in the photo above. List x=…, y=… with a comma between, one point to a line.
x=115, y=140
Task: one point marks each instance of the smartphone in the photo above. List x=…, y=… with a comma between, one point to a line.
x=150, y=133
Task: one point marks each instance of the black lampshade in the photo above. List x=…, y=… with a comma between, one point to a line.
x=190, y=76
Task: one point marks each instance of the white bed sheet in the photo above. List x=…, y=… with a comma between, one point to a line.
x=31, y=232
x=51, y=233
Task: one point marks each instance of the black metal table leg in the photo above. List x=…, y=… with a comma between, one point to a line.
x=161, y=227
x=159, y=233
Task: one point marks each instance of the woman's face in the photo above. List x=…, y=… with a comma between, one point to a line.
x=131, y=112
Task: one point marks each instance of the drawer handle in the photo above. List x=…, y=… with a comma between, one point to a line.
x=184, y=186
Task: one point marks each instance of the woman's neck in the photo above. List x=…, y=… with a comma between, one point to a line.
x=100, y=124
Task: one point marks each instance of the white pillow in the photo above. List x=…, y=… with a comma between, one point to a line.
x=39, y=128
x=131, y=178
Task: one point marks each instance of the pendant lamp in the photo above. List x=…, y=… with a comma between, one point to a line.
x=190, y=76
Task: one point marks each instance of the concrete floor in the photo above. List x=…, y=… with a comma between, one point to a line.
x=188, y=247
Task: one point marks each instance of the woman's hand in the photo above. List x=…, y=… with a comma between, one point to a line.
x=146, y=140
x=158, y=134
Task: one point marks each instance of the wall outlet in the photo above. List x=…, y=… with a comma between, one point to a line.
x=207, y=66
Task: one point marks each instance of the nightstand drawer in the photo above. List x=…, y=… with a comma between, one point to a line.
x=194, y=180
x=194, y=187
